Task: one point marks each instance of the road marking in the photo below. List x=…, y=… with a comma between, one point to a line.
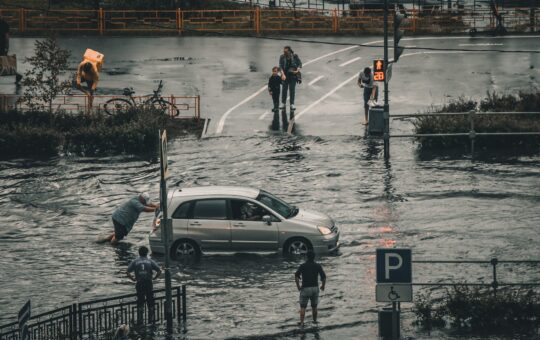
x=315, y=80
x=223, y=119
x=264, y=115
x=221, y=123
x=310, y=106
x=350, y=61
x=484, y=44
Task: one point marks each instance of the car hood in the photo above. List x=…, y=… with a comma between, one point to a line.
x=314, y=217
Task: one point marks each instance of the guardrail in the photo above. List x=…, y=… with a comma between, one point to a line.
x=182, y=106
x=472, y=134
x=96, y=318
x=265, y=20
x=493, y=263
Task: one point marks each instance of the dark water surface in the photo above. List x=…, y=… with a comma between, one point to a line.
x=453, y=209
x=52, y=211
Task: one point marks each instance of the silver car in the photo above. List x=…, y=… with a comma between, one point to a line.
x=239, y=219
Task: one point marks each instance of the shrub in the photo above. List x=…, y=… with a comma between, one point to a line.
x=523, y=102
x=37, y=133
x=478, y=310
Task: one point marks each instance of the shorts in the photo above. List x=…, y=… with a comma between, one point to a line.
x=309, y=293
x=119, y=230
x=367, y=95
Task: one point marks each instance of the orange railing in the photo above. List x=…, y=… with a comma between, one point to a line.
x=264, y=20
x=182, y=106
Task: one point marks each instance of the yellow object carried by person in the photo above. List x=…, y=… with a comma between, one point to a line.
x=90, y=74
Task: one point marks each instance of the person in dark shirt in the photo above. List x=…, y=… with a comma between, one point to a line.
x=4, y=44
x=309, y=289
x=290, y=65
x=144, y=268
x=274, y=87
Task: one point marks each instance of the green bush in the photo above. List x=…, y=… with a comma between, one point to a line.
x=478, y=310
x=27, y=134
x=523, y=102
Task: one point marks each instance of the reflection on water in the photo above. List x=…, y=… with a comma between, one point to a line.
x=52, y=211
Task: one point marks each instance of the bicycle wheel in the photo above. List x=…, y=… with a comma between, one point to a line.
x=116, y=104
x=165, y=106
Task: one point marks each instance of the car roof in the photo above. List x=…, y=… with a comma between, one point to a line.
x=217, y=191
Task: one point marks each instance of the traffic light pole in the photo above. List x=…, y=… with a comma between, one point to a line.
x=386, y=105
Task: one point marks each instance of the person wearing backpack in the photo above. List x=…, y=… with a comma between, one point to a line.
x=290, y=65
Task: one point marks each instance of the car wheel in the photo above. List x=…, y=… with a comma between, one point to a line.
x=185, y=250
x=297, y=246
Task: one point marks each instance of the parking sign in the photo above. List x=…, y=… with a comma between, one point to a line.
x=394, y=265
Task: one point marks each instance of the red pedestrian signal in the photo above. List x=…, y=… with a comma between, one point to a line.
x=379, y=70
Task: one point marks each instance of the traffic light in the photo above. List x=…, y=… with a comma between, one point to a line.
x=378, y=70
x=398, y=50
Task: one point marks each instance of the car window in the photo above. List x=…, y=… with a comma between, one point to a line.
x=210, y=210
x=275, y=204
x=247, y=211
x=182, y=211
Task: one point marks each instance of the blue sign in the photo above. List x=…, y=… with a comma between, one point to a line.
x=394, y=265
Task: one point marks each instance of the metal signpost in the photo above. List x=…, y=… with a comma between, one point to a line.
x=394, y=280
x=165, y=227
x=23, y=317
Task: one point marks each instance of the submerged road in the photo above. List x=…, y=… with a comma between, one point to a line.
x=52, y=210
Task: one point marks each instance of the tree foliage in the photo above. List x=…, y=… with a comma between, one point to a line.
x=43, y=81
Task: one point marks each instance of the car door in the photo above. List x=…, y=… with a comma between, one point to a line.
x=251, y=233
x=210, y=225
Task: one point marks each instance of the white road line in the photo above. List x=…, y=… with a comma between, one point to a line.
x=315, y=80
x=223, y=119
x=325, y=96
x=350, y=61
x=221, y=123
x=486, y=44
x=264, y=115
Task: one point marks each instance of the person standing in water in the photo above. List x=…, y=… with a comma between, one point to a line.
x=309, y=289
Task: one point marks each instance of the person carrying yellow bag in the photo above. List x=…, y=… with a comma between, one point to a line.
x=88, y=71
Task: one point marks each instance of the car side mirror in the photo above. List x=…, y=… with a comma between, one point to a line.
x=267, y=219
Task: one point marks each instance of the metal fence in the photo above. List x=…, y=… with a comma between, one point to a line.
x=95, y=319
x=492, y=265
x=181, y=106
x=266, y=20
x=472, y=133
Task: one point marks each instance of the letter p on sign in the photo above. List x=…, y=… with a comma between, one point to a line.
x=394, y=265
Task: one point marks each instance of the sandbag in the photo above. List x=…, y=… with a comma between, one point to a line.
x=8, y=65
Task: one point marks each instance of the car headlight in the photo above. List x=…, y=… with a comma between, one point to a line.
x=324, y=230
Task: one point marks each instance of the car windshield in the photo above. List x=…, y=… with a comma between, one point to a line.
x=277, y=204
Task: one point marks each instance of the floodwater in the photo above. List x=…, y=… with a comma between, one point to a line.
x=51, y=211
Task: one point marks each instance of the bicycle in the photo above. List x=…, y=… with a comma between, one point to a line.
x=156, y=101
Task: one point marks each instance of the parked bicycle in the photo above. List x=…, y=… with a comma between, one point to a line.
x=156, y=101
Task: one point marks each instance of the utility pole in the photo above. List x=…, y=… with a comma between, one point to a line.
x=386, y=105
x=165, y=229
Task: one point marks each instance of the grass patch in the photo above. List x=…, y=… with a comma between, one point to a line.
x=522, y=102
x=43, y=134
x=479, y=311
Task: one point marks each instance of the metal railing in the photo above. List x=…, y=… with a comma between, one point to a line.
x=493, y=263
x=259, y=20
x=96, y=318
x=182, y=106
x=472, y=133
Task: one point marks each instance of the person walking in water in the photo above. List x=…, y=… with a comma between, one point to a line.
x=308, y=272
x=290, y=65
x=125, y=216
x=144, y=269
x=365, y=81
x=274, y=88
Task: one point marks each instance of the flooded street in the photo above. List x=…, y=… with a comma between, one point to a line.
x=51, y=211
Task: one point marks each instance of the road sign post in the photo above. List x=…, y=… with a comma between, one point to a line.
x=394, y=278
x=165, y=227
x=386, y=105
x=23, y=317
